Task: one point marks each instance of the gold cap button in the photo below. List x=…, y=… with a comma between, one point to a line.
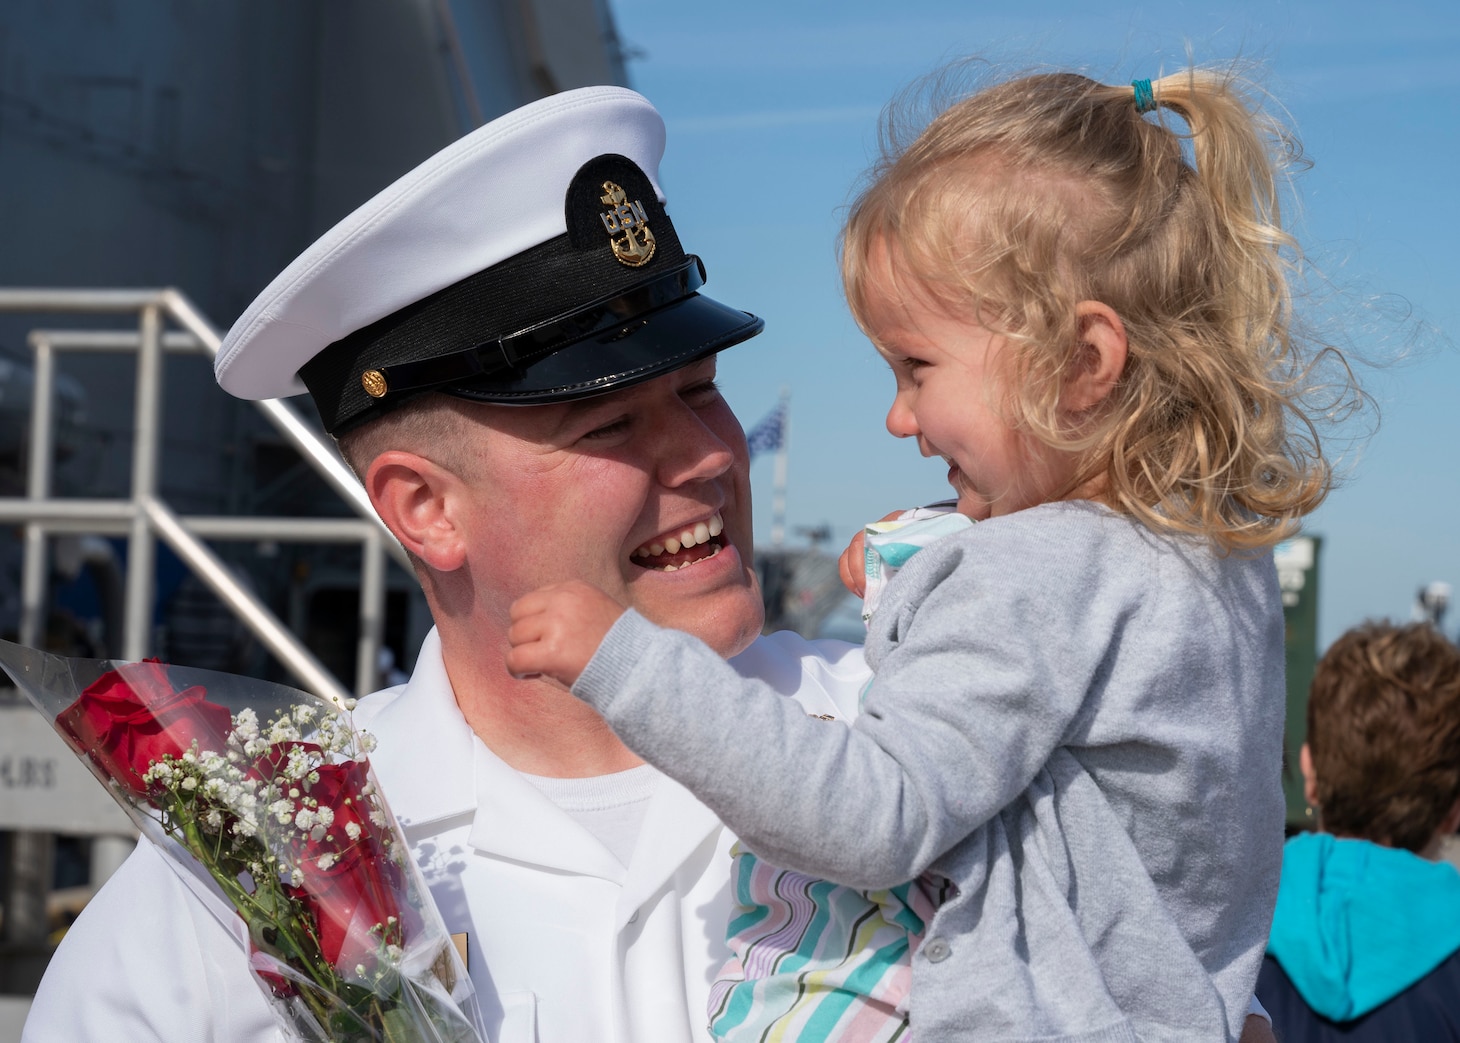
x=373, y=381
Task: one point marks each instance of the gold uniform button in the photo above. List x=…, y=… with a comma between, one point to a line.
x=373, y=381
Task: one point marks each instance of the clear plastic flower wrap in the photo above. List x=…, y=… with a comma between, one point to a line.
x=262, y=798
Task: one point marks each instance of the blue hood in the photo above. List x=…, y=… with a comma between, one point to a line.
x=1356, y=924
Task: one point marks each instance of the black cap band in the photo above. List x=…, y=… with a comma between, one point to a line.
x=517, y=351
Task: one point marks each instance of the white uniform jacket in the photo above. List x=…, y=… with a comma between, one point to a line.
x=565, y=944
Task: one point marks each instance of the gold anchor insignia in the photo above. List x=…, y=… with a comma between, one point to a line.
x=636, y=246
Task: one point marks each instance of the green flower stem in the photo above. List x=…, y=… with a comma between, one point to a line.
x=254, y=911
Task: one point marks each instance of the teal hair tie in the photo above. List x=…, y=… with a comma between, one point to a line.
x=1145, y=97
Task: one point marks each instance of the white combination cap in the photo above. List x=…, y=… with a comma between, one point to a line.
x=531, y=261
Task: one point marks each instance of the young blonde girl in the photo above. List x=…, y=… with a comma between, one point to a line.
x=1075, y=724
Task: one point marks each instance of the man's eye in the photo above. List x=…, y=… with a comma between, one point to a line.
x=705, y=391
x=618, y=427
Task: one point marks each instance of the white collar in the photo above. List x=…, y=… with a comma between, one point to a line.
x=433, y=768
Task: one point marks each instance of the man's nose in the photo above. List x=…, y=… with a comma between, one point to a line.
x=693, y=451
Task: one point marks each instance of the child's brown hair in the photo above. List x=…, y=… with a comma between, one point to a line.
x=1032, y=195
x=1384, y=733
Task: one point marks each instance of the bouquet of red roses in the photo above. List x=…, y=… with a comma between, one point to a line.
x=262, y=795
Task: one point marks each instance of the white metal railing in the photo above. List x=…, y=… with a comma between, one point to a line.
x=143, y=518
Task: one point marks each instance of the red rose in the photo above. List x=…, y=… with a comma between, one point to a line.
x=350, y=885
x=125, y=724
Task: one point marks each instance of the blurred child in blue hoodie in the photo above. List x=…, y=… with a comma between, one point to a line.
x=1365, y=941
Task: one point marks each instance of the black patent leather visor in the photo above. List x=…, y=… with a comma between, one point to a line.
x=611, y=318
x=618, y=354
x=628, y=334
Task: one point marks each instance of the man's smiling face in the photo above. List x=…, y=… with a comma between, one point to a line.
x=644, y=492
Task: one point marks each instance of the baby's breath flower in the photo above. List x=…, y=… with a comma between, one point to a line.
x=246, y=724
x=353, y=830
x=282, y=730
x=189, y=783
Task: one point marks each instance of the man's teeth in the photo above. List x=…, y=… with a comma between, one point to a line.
x=701, y=532
x=671, y=567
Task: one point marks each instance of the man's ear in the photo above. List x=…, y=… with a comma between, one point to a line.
x=1101, y=358
x=416, y=499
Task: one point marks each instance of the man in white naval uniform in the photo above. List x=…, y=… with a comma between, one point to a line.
x=510, y=345
x=585, y=439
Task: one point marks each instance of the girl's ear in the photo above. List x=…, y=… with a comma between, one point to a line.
x=416, y=498
x=1101, y=358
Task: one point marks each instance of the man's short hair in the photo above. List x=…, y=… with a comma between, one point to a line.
x=1384, y=733
x=432, y=425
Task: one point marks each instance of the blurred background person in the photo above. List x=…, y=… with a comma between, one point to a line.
x=1365, y=941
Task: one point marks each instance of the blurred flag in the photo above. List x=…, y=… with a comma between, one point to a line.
x=770, y=434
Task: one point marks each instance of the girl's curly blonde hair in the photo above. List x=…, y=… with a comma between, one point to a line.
x=1032, y=195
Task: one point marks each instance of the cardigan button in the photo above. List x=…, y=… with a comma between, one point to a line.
x=937, y=950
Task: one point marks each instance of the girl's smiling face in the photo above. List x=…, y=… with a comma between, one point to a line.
x=952, y=397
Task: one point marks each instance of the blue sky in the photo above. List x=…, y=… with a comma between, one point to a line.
x=772, y=110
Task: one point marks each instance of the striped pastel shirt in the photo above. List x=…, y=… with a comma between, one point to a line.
x=813, y=960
